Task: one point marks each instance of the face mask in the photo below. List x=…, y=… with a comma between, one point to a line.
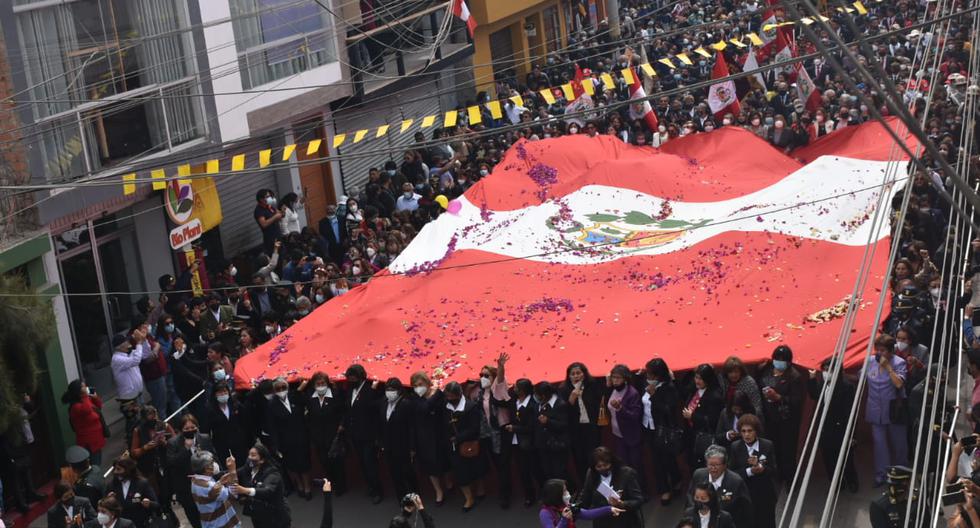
x=702, y=505
x=190, y=434
x=341, y=291
x=421, y=390
x=566, y=497
x=662, y=129
x=390, y=172
x=778, y=124
x=484, y=382
x=780, y=365
x=282, y=394
x=726, y=121
x=755, y=122
x=709, y=128
x=270, y=201
x=356, y=270
x=934, y=292
x=353, y=208
x=901, y=345
x=214, y=468
x=408, y=195
x=322, y=389
x=103, y=518
x=233, y=271
x=319, y=298
x=223, y=398
x=484, y=172
x=303, y=313
x=169, y=328
x=391, y=395
x=769, y=121
x=652, y=383
x=371, y=252
x=268, y=397
x=269, y=329
x=219, y=375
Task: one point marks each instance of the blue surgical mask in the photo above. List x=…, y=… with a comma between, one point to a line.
x=169, y=328
x=780, y=365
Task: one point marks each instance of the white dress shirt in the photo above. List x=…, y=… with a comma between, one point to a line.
x=647, y=413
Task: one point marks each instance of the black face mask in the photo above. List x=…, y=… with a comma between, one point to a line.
x=702, y=505
x=190, y=434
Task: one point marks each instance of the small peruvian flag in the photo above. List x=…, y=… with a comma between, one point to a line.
x=721, y=95
x=463, y=13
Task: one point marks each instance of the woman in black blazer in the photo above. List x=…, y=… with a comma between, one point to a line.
x=700, y=413
x=462, y=425
x=727, y=430
x=324, y=414
x=582, y=392
x=261, y=489
x=288, y=434
x=397, y=420
x=664, y=402
x=227, y=421
x=134, y=493
x=754, y=459
x=431, y=441
x=706, y=505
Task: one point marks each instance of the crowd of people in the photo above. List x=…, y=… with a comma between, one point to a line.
x=723, y=439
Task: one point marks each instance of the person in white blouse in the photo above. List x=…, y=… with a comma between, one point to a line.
x=290, y=218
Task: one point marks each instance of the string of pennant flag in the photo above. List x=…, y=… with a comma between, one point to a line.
x=159, y=178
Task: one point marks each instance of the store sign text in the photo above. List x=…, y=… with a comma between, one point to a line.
x=185, y=234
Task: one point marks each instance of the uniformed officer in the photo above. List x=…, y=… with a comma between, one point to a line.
x=888, y=510
x=89, y=482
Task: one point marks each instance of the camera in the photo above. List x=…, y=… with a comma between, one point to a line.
x=408, y=501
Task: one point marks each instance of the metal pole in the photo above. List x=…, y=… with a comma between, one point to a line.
x=612, y=15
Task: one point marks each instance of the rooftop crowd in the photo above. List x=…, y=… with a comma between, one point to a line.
x=722, y=439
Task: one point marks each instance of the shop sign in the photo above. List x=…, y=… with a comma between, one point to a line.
x=185, y=234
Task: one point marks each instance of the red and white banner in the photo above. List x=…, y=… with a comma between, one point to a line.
x=462, y=11
x=722, y=98
x=807, y=91
x=589, y=249
x=641, y=109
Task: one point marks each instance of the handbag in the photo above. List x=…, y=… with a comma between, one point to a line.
x=603, y=419
x=898, y=411
x=469, y=449
x=105, y=426
x=669, y=439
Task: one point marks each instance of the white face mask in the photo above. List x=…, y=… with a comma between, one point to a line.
x=726, y=121
x=223, y=398
x=103, y=518
x=391, y=395
x=421, y=390
x=219, y=375
x=778, y=124
x=408, y=195
x=484, y=172
x=461, y=182
x=215, y=469
x=341, y=291
x=662, y=129
x=484, y=382
x=282, y=394
x=356, y=270
x=322, y=389
x=371, y=252
x=269, y=397
x=934, y=292
x=566, y=497
x=756, y=122
x=319, y=298
x=233, y=271
x=901, y=345
x=269, y=329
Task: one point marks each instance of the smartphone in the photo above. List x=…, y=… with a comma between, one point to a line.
x=968, y=441
x=954, y=487
x=952, y=499
x=318, y=482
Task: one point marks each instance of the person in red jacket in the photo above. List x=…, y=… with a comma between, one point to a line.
x=84, y=414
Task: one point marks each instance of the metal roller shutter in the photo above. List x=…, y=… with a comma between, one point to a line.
x=239, y=232
x=391, y=111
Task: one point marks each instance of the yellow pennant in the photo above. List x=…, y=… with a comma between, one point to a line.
x=737, y=43
x=338, y=140
x=405, y=124
x=238, y=162
x=648, y=69
x=382, y=130
x=548, y=96
x=666, y=62
x=158, y=176
x=184, y=170
x=719, y=46
x=495, y=111
x=450, y=120
x=428, y=121
x=703, y=52
x=860, y=8
x=608, y=82
x=754, y=39
x=213, y=166
x=313, y=146
x=475, y=115
x=684, y=58
x=568, y=91
x=518, y=100
x=628, y=76
x=769, y=27
x=129, y=188
x=588, y=87
x=287, y=151
x=265, y=158
x=359, y=135
x=806, y=21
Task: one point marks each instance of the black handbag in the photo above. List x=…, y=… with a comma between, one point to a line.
x=898, y=411
x=669, y=439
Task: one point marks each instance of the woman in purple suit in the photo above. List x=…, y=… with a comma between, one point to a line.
x=557, y=511
x=625, y=412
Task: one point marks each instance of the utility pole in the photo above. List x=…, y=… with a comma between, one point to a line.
x=612, y=15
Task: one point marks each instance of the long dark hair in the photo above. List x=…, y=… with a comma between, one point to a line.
x=586, y=376
x=707, y=373
x=712, y=501
x=552, y=494
x=73, y=394
x=658, y=367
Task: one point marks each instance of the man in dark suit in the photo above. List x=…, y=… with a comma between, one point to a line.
x=607, y=469
x=520, y=433
x=732, y=492
x=361, y=424
x=179, y=450
x=334, y=234
x=217, y=318
x=754, y=460
x=551, y=431
x=134, y=493
x=397, y=419
x=832, y=436
x=70, y=510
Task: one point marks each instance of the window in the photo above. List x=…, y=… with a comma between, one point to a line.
x=279, y=38
x=107, y=76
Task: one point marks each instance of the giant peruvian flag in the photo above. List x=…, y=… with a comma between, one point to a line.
x=589, y=249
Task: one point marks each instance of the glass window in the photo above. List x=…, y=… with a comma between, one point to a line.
x=279, y=38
